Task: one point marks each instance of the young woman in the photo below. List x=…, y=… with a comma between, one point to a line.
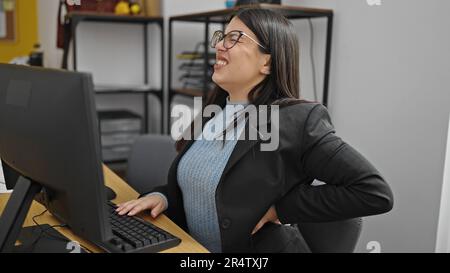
x=224, y=191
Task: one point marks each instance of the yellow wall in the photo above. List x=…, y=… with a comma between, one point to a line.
x=26, y=32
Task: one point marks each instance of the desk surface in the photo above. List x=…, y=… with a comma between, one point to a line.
x=124, y=193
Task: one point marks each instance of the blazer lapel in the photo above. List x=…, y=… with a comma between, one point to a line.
x=241, y=148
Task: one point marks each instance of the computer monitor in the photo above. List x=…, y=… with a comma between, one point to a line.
x=49, y=143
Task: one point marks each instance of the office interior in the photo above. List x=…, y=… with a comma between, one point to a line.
x=383, y=72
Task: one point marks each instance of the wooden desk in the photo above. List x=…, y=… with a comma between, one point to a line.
x=124, y=193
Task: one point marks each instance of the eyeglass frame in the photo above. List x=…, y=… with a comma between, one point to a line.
x=241, y=33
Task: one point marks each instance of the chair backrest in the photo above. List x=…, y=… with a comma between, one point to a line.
x=149, y=162
x=148, y=166
x=332, y=237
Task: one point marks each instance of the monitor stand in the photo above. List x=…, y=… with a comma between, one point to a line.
x=16, y=210
x=44, y=239
x=14, y=238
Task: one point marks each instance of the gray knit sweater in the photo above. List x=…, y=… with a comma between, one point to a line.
x=198, y=175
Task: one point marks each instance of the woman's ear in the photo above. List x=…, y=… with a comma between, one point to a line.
x=265, y=69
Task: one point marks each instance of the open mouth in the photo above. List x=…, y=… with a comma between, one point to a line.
x=221, y=62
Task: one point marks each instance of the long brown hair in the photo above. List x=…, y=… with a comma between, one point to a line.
x=281, y=86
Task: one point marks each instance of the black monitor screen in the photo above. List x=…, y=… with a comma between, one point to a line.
x=49, y=135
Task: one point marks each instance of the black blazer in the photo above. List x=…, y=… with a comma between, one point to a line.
x=253, y=180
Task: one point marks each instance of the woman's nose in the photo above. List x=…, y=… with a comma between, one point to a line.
x=220, y=46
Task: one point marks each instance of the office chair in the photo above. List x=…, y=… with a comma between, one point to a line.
x=148, y=166
x=332, y=237
x=149, y=162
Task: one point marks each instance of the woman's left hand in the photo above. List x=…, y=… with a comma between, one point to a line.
x=270, y=216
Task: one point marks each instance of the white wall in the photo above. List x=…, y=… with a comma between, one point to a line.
x=389, y=98
x=47, y=12
x=443, y=231
x=187, y=36
x=113, y=53
x=2, y=179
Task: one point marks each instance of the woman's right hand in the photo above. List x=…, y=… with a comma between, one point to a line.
x=155, y=203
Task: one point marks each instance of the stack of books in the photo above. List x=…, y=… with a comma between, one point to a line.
x=193, y=70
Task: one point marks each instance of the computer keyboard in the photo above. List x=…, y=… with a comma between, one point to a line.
x=132, y=234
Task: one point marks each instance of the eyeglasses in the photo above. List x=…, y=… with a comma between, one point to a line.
x=230, y=39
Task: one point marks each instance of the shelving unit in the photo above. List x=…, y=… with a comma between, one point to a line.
x=144, y=90
x=221, y=17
